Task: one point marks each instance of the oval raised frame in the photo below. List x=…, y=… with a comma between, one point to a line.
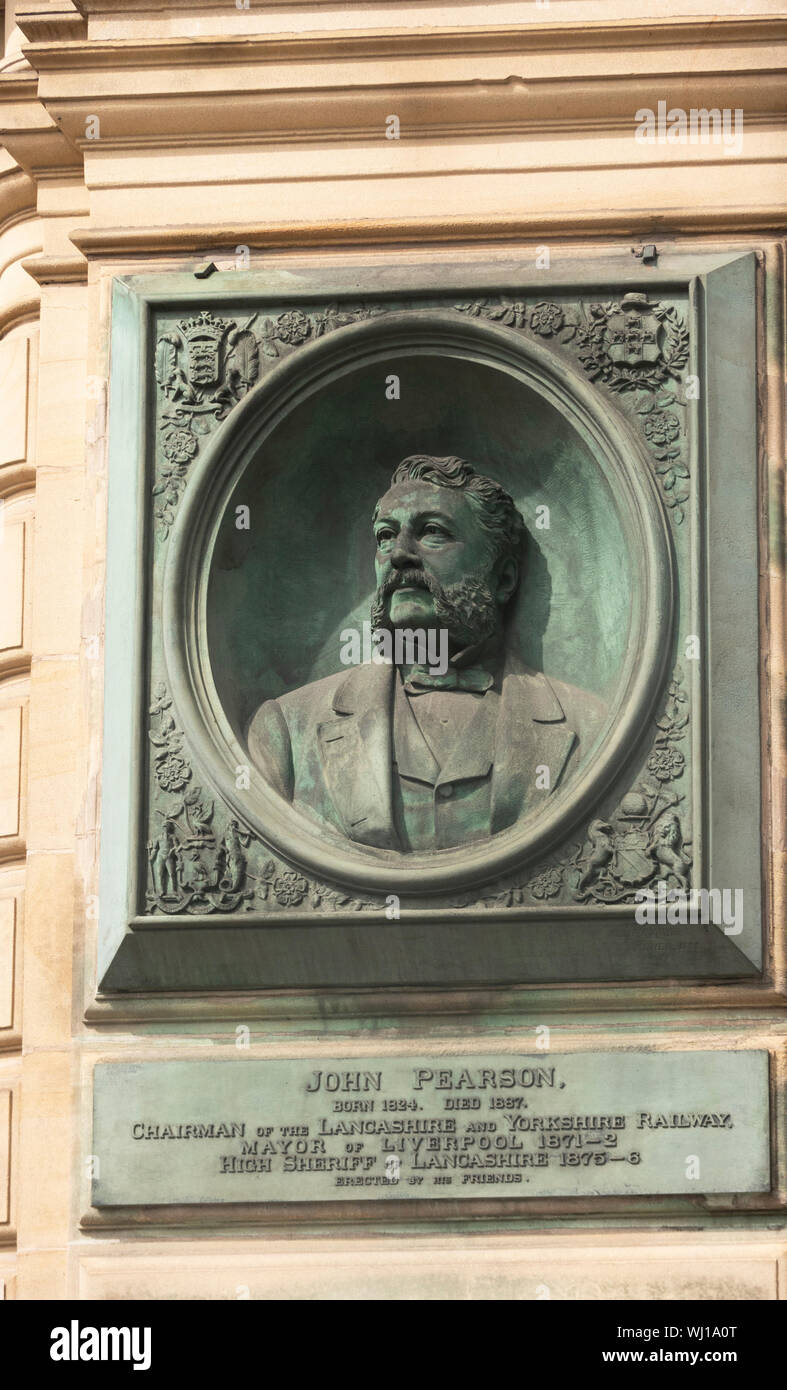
x=290, y=383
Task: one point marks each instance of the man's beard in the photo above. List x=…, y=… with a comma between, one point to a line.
x=468, y=610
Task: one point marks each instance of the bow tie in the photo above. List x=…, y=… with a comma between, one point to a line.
x=475, y=678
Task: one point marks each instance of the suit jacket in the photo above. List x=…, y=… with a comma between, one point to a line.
x=327, y=747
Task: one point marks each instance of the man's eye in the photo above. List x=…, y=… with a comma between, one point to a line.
x=432, y=529
x=386, y=535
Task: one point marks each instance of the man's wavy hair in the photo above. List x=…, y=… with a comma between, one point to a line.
x=495, y=509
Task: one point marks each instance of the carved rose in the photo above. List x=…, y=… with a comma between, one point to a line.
x=661, y=427
x=173, y=773
x=547, y=884
x=180, y=446
x=546, y=318
x=290, y=888
x=666, y=763
x=293, y=327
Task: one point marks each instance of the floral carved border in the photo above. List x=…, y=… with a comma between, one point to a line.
x=200, y=861
x=206, y=364
x=626, y=345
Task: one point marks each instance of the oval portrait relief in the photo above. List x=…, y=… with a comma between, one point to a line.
x=415, y=602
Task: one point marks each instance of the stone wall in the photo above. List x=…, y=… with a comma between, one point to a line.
x=151, y=138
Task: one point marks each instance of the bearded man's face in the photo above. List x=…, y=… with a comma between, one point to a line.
x=434, y=564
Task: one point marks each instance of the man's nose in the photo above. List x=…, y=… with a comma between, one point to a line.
x=404, y=554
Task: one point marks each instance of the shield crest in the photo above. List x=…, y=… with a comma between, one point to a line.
x=633, y=861
x=633, y=338
x=204, y=362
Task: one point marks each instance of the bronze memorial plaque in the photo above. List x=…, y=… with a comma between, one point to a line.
x=431, y=646
x=420, y=587
x=507, y=1125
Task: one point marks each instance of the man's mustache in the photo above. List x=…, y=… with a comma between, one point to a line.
x=468, y=609
x=407, y=579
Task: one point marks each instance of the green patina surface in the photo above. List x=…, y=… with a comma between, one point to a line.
x=281, y=593
x=386, y=1128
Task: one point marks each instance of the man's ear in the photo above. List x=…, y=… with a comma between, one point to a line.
x=507, y=576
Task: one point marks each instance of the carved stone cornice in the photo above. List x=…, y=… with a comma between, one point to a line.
x=427, y=41
x=30, y=136
x=208, y=238
x=548, y=95
x=441, y=82
x=58, y=21
x=56, y=270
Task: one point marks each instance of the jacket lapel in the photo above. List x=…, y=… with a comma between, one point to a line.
x=355, y=748
x=473, y=755
x=531, y=733
x=355, y=754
